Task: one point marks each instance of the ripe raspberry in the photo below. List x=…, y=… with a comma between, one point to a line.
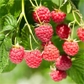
x=33, y=58
x=50, y=53
x=58, y=75
x=58, y=16
x=44, y=32
x=42, y=13
x=71, y=47
x=63, y=31
x=16, y=54
x=63, y=62
x=80, y=33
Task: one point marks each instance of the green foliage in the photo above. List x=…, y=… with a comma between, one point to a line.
x=59, y=2
x=25, y=34
x=9, y=23
x=76, y=72
x=9, y=67
x=4, y=53
x=2, y=36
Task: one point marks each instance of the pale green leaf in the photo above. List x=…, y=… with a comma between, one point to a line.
x=68, y=8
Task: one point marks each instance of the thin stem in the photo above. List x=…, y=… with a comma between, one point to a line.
x=74, y=7
x=20, y=18
x=38, y=18
x=61, y=5
x=76, y=19
x=36, y=12
x=77, y=12
x=30, y=29
x=22, y=13
x=36, y=2
x=27, y=22
x=24, y=16
x=22, y=6
x=71, y=23
x=81, y=18
x=72, y=33
x=32, y=3
x=30, y=42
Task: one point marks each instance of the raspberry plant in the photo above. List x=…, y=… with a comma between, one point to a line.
x=44, y=33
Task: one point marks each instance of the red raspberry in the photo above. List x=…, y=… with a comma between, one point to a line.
x=80, y=33
x=50, y=53
x=58, y=75
x=71, y=47
x=44, y=32
x=63, y=62
x=43, y=14
x=16, y=54
x=58, y=16
x=33, y=58
x=63, y=31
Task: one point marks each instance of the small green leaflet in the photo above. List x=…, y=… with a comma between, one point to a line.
x=68, y=8
x=76, y=72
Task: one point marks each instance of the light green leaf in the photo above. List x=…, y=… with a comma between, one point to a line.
x=68, y=8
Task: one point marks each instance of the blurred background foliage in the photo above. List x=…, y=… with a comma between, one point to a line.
x=21, y=73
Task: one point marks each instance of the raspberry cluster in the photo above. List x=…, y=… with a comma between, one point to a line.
x=45, y=33
x=49, y=52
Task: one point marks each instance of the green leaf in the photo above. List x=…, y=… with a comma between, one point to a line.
x=68, y=8
x=2, y=36
x=5, y=6
x=76, y=72
x=3, y=3
x=9, y=23
x=4, y=53
x=7, y=44
x=25, y=38
x=7, y=27
x=57, y=2
x=15, y=9
x=9, y=67
x=3, y=58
